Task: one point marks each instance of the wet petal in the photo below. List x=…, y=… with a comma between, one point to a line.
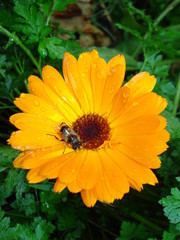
x=32, y=104
x=55, y=81
x=141, y=83
x=88, y=166
x=41, y=90
x=88, y=198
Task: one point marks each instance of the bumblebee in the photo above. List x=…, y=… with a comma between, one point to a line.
x=70, y=136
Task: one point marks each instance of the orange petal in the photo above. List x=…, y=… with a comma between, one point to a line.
x=115, y=77
x=141, y=157
x=98, y=77
x=103, y=189
x=52, y=168
x=74, y=81
x=87, y=173
x=74, y=187
x=35, y=105
x=69, y=171
x=144, y=125
x=34, y=123
x=34, y=176
x=41, y=90
x=38, y=157
x=141, y=83
x=112, y=172
x=136, y=172
x=59, y=186
x=147, y=104
x=88, y=198
x=56, y=83
x=84, y=66
x=25, y=140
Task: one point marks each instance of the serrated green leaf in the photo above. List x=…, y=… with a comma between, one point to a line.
x=171, y=206
x=173, y=126
x=11, y=180
x=25, y=204
x=55, y=47
x=7, y=155
x=129, y=30
x=5, y=231
x=30, y=21
x=131, y=231
x=60, y=6
x=169, y=236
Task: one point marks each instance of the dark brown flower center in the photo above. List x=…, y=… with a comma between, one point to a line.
x=92, y=129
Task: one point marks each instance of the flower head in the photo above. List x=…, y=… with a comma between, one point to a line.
x=87, y=131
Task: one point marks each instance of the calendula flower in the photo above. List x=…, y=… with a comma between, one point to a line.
x=87, y=131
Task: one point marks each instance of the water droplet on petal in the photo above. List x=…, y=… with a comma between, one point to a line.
x=22, y=148
x=43, y=109
x=23, y=95
x=36, y=102
x=125, y=95
x=83, y=75
x=135, y=104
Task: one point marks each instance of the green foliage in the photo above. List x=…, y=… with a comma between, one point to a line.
x=148, y=34
x=171, y=206
x=132, y=231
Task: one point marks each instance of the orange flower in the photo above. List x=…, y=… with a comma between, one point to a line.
x=112, y=134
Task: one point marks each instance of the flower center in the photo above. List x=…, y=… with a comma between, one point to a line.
x=92, y=129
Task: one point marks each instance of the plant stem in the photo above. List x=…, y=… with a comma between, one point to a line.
x=176, y=98
x=146, y=222
x=166, y=11
x=18, y=41
x=156, y=22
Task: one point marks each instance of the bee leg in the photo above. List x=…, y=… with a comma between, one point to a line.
x=64, y=145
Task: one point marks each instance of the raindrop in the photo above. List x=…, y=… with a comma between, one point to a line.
x=22, y=148
x=43, y=109
x=83, y=75
x=36, y=103
x=23, y=95
x=135, y=104
x=125, y=95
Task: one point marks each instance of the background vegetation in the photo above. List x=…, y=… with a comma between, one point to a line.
x=36, y=33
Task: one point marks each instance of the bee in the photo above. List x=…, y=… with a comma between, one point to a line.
x=70, y=136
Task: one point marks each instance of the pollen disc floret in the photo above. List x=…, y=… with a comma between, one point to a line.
x=93, y=130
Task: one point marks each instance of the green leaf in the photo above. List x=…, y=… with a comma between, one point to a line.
x=173, y=126
x=171, y=206
x=30, y=21
x=55, y=47
x=25, y=204
x=7, y=155
x=61, y=5
x=42, y=228
x=129, y=30
x=131, y=231
x=5, y=231
x=24, y=233
x=49, y=7
x=11, y=180
x=169, y=235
